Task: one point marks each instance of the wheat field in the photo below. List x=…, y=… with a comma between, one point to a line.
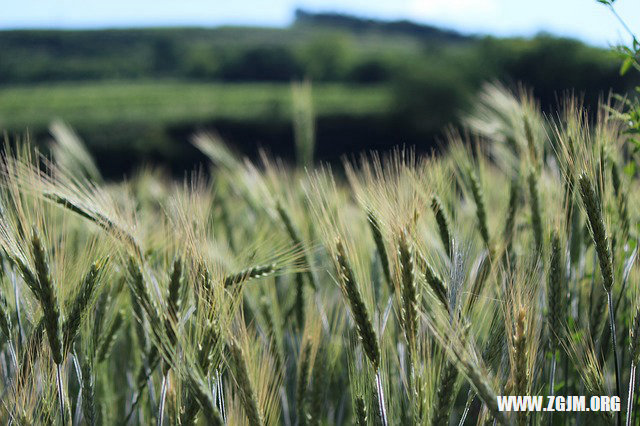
x=394, y=289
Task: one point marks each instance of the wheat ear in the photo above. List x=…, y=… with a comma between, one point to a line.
x=481, y=211
x=603, y=250
x=171, y=321
x=173, y=302
x=210, y=339
x=202, y=395
x=297, y=242
x=445, y=394
x=48, y=299
x=247, y=393
x=108, y=338
x=621, y=199
x=318, y=385
x=249, y=274
x=536, y=215
x=555, y=304
x=88, y=394
x=521, y=374
x=5, y=318
x=436, y=283
x=598, y=232
x=378, y=239
x=360, y=411
x=361, y=317
x=302, y=381
x=409, y=290
x=51, y=312
x=442, y=219
x=80, y=305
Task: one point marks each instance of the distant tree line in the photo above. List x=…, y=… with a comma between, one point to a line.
x=433, y=72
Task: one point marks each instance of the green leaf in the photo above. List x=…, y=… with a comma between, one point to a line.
x=626, y=65
x=630, y=169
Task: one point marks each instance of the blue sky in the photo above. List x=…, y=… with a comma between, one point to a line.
x=584, y=19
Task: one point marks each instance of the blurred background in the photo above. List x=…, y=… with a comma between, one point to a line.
x=136, y=79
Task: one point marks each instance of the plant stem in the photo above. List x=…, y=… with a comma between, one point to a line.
x=163, y=398
x=471, y=396
x=60, y=392
x=16, y=295
x=632, y=385
x=220, y=393
x=383, y=411
x=552, y=376
x=612, y=325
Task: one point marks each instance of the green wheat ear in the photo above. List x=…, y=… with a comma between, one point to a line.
x=481, y=210
x=251, y=273
x=409, y=290
x=360, y=411
x=319, y=383
x=536, y=215
x=442, y=219
x=555, y=286
x=91, y=414
x=5, y=318
x=436, y=283
x=247, y=393
x=48, y=299
x=378, y=239
x=521, y=374
x=302, y=381
x=296, y=239
x=81, y=304
x=105, y=344
x=361, y=317
x=445, y=394
x=512, y=211
x=598, y=232
x=621, y=199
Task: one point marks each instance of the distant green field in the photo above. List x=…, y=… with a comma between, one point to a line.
x=169, y=102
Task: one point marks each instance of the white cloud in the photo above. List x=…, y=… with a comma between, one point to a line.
x=425, y=9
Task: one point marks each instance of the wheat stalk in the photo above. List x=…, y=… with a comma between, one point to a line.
x=634, y=351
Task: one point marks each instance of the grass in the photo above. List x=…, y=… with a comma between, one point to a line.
x=400, y=290
x=172, y=102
